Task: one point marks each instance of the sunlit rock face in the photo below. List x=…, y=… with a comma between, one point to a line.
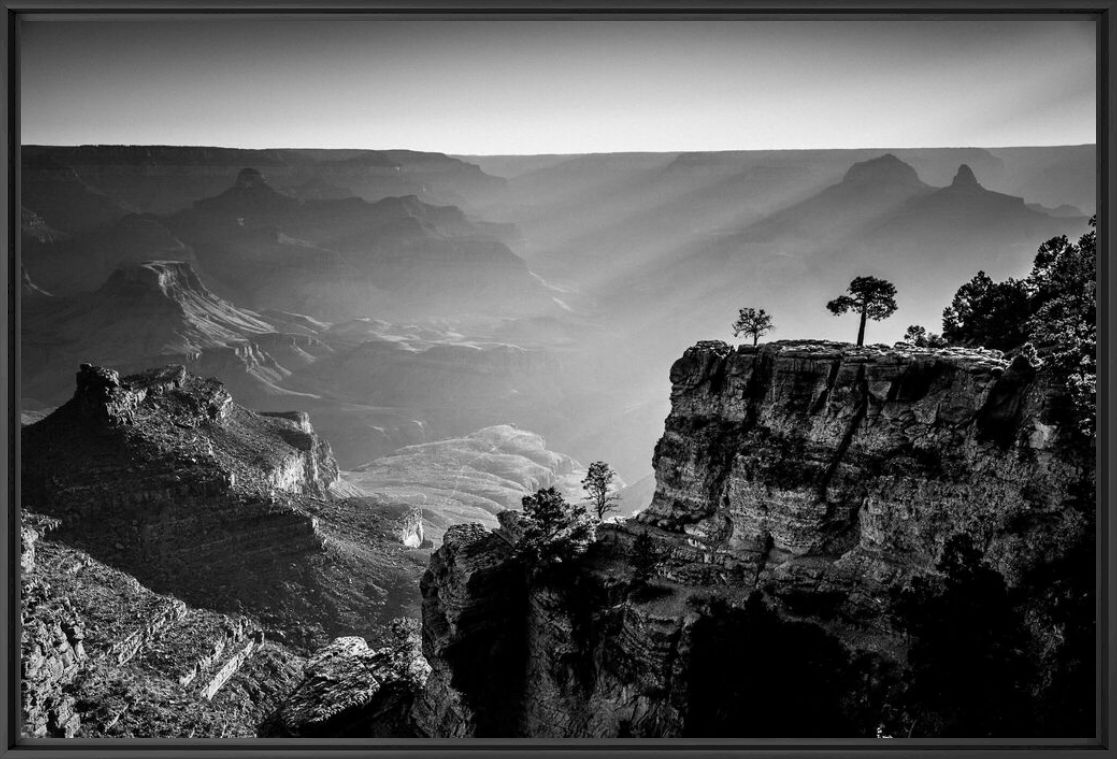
x=161, y=474
x=844, y=466
x=799, y=488
x=154, y=313
x=353, y=690
x=104, y=656
x=147, y=466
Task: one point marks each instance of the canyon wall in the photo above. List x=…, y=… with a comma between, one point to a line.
x=801, y=490
x=162, y=475
x=101, y=655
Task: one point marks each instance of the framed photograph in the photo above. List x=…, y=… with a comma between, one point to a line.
x=412, y=378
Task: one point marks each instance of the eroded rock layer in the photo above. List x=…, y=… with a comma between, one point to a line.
x=163, y=476
x=806, y=492
x=822, y=466
x=102, y=655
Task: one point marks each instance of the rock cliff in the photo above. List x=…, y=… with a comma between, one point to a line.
x=820, y=466
x=805, y=494
x=162, y=475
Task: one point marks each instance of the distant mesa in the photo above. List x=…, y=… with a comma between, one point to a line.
x=965, y=178
x=887, y=169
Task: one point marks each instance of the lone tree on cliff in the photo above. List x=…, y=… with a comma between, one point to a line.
x=597, y=484
x=870, y=297
x=554, y=530
x=752, y=322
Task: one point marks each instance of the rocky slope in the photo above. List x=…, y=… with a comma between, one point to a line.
x=801, y=490
x=162, y=475
x=104, y=656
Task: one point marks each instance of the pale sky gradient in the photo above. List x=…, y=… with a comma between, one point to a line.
x=535, y=86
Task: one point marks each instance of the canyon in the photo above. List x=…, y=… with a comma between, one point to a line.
x=803, y=491
x=313, y=387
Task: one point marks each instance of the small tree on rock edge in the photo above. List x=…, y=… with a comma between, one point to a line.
x=918, y=336
x=597, y=483
x=869, y=297
x=554, y=530
x=752, y=322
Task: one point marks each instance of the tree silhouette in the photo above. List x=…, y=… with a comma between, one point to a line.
x=1064, y=283
x=918, y=336
x=752, y=322
x=988, y=314
x=599, y=478
x=1054, y=308
x=554, y=530
x=870, y=297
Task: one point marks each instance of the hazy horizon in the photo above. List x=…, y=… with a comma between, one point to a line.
x=885, y=148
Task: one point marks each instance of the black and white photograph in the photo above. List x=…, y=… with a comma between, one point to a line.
x=413, y=376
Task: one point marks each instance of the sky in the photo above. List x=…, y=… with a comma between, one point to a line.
x=529, y=86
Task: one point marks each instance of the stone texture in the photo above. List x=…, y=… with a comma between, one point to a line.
x=820, y=475
x=102, y=655
x=164, y=476
x=828, y=465
x=352, y=690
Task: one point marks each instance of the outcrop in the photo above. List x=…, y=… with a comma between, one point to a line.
x=803, y=491
x=831, y=467
x=162, y=475
x=350, y=690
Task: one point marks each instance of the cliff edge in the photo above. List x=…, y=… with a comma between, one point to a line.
x=814, y=503
x=163, y=476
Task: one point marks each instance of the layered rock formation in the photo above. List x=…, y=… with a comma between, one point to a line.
x=800, y=488
x=155, y=313
x=162, y=475
x=818, y=464
x=102, y=655
x=350, y=690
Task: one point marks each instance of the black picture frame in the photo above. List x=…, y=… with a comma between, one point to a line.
x=11, y=745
